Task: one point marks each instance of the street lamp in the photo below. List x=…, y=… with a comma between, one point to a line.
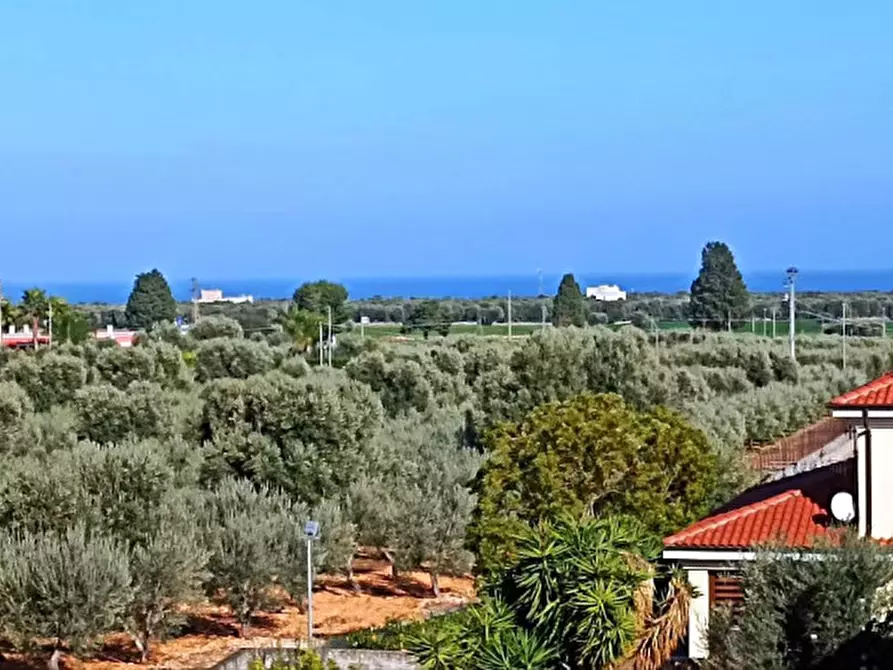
x=792, y=310
x=311, y=531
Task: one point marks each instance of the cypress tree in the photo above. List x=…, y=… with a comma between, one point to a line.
x=569, y=305
x=718, y=294
x=151, y=301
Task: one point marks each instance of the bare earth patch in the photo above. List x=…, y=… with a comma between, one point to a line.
x=212, y=633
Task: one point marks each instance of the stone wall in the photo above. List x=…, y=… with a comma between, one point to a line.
x=346, y=659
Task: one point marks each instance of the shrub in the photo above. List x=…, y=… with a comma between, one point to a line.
x=67, y=587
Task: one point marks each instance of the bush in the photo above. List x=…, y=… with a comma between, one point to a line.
x=67, y=587
x=212, y=327
x=238, y=359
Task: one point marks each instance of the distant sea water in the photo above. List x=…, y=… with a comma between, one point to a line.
x=470, y=286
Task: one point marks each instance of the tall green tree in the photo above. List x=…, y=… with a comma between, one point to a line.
x=318, y=296
x=150, y=301
x=569, y=305
x=302, y=326
x=591, y=454
x=426, y=316
x=718, y=294
x=34, y=308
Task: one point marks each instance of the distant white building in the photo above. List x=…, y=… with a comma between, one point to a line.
x=216, y=295
x=606, y=292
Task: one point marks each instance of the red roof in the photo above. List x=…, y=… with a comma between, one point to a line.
x=877, y=393
x=792, y=511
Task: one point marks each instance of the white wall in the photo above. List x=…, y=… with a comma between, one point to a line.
x=882, y=482
x=699, y=615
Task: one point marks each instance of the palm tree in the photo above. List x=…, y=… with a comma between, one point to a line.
x=34, y=308
x=302, y=326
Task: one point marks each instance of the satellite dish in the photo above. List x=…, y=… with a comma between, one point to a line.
x=842, y=508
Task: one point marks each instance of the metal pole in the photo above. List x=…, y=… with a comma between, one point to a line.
x=330, y=335
x=773, y=323
x=764, y=322
x=320, y=344
x=510, y=315
x=843, y=329
x=309, y=592
x=50, y=320
x=792, y=312
x=753, y=324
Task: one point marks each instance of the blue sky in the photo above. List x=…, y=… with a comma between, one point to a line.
x=295, y=138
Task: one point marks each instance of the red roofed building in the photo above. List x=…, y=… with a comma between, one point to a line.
x=794, y=511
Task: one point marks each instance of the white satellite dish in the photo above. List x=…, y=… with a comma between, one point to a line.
x=842, y=508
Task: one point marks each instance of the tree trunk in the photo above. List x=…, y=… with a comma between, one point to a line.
x=351, y=580
x=393, y=563
x=435, y=584
x=34, y=325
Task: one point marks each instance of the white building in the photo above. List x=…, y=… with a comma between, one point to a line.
x=795, y=511
x=216, y=295
x=606, y=292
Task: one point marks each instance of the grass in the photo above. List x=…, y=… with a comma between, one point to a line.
x=386, y=330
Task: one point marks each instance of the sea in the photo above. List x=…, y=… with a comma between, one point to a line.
x=471, y=287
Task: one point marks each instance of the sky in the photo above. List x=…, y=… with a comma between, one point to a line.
x=418, y=138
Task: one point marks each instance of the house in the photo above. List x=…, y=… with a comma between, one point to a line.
x=216, y=295
x=606, y=293
x=124, y=338
x=794, y=511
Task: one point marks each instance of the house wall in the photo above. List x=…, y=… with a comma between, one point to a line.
x=699, y=614
x=882, y=482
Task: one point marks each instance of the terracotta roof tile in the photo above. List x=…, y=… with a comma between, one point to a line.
x=792, y=511
x=877, y=393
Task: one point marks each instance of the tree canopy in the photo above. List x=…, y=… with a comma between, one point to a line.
x=318, y=296
x=591, y=454
x=718, y=294
x=150, y=301
x=822, y=608
x=569, y=305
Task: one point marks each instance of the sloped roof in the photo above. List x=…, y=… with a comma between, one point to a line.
x=793, y=511
x=877, y=393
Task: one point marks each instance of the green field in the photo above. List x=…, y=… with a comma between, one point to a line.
x=386, y=330
x=804, y=327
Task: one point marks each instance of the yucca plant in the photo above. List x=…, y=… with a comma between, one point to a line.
x=516, y=650
x=581, y=586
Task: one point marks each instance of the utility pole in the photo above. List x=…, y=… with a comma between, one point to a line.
x=773, y=323
x=195, y=295
x=50, y=320
x=1, y=314
x=330, y=335
x=843, y=330
x=792, y=311
x=764, y=322
x=311, y=532
x=510, y=314
x=542, y=296
x=320, y=344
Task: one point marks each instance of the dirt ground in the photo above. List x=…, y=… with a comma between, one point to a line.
x=211, y=633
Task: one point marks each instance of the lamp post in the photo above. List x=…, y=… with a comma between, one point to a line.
x=311, y=531
x=792, y=280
